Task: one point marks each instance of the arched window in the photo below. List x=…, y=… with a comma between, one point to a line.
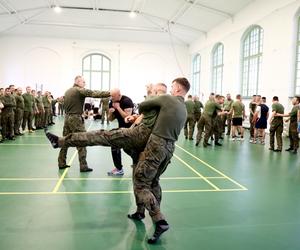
x=96, y=70
x=196, y=75
x=252, y=47
x=217, y=68
x=297, y=75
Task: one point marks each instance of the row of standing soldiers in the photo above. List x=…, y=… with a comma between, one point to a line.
x=18, y=110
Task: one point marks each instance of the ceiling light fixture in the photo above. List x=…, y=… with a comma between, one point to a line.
x=132, y=14
x=57, y=9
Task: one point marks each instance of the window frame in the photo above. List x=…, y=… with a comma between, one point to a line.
x=196, y=72
x=101, y=71
x=248, y=57
x=215, y=67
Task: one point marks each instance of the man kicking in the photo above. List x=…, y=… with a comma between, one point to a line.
x=157, y=154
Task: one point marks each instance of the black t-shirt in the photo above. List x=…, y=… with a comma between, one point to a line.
x=125, y=103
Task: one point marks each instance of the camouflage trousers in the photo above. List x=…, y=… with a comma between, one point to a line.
x=73, y=123
x=189, y=127
x=45, y=119
x=152, y=163
x=18, y=119
x=217, y=129
x=205, y=122
x=8, y=120
x=227, y=119
x=276, y=128
x=293, y=135
x=38, y=118
x=132, y=140
x=27, y=119
x=252, y=126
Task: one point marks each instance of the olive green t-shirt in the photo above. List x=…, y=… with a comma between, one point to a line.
x=238, y=109
x=279, y=109
x=293, y=113
x=28, y=102
x=211, y=107
x=198, y=106
x=190, y=107
x=171, y=117
x=228, y=105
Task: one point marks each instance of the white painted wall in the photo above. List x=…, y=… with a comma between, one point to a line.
x=55, y=62
x=278, y=20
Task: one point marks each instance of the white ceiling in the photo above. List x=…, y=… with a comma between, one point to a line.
x=182, y=21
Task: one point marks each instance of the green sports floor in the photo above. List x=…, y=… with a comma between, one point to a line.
x=239, y=196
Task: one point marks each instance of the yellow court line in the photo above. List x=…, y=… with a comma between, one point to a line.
x=104, y=178
x=120, y=192
x=206, y=164
x=191, y=168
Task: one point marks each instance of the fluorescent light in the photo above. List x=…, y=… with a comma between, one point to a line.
x=57, y=9
x=132, y=14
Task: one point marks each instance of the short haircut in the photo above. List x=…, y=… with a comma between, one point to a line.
x=190, y=96
x=183, y=82
x=264, y=98
x=297, y=98
x=238, y=96
x=76, y=78
x=275, y=98
x=254, y=96
x=162, y=84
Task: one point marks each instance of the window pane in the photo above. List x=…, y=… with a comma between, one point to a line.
x=106, y=81
x=96, y=80
x=96, y=62
x=252, y=54
x=106, y=64
x=196, y=75
x=86, y=76
x=87, y=63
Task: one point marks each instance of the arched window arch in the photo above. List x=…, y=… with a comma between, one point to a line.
x=96, y=70
x=217, y=68
x=252, y=51
x=297, y=71
x=196, y=65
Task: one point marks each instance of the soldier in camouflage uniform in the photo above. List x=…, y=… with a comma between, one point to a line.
x=217, y=118
x=227, y=117
x=190, y=122
x=197, y=111
x=252, y=108
x=293, y=133
x=105, y=108
x=158, y=153
x=206, y=120
x=47, y=109
x=28, y=110
x=74, y=100
x=39, y=116
x=276, y=126
x=8, y=115
x=19, y=111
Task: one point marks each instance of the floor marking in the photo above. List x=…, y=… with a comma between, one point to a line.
x=196, y=172
x=104, y=178
x=66, y=169
x=120, y=192
x=208, y=165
